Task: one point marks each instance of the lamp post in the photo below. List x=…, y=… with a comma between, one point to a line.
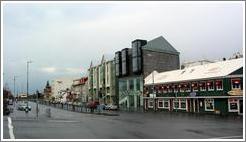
x=37, y=104
x=153, y=82
x=27, y=72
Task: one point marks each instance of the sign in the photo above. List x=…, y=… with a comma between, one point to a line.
x=235, y=92
x=193, y=94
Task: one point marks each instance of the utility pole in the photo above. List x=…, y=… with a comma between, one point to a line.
x=37, y=103
x=27, y=72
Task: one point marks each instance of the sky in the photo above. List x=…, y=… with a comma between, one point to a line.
x=61, y=39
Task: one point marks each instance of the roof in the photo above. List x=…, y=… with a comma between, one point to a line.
x=212, y=70
x=160, y=44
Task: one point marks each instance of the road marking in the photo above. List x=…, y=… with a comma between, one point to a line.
x=11, y=132
x=62, y=121
x=227, y=137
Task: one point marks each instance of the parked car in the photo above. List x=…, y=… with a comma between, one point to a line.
x=92, y=105
x=23, y=107
x=111, y=107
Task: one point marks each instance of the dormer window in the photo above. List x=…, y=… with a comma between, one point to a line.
x=210, y=85
x=235, y=84
x=219, y=85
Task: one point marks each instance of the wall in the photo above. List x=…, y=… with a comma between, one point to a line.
x=159, y=61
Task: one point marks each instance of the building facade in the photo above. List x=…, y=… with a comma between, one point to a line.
x=101, y=82
x=215, y=88
x=79, y=89
x=47, y=91
x=134, y=64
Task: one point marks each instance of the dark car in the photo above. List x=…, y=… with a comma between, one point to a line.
x=6, y=110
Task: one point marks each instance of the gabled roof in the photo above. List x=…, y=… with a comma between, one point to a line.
x=211, y=70
x=160, y=44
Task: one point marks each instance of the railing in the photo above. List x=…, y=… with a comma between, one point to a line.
x=71, y=107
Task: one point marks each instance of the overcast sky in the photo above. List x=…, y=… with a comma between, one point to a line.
x=62, y=39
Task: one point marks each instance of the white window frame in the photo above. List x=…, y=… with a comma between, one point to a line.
x=175, y=100
x=181, y=88
x=161, y=100
x=205, y=86
x=229, y=107
x=180, y=104
x=219, y=89
x=205, y=104
x=209, y=89
x=168, y=104
x=232, y=83
x=150, y=100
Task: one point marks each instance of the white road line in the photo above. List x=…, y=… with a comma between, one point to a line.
x=11, y=132
x=227, y=137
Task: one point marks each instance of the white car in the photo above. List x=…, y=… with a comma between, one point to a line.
x=111, y=107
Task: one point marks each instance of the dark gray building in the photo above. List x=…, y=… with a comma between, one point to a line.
x=134, y=64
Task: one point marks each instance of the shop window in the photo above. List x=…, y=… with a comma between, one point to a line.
x=209, y=104
x=175, y=103
x=166, y=104
x=182, y=103
x=202, y=86
x=160, y=104
x=219, y=85
x=194, y=86
x=151, y=103
x=233, y=105
x=235, y=84
x=210, y=85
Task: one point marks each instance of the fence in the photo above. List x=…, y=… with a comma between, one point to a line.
x=72, y=107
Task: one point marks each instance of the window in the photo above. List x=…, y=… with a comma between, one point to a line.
x=232, y=105
x=181, y=87
x=182, y=103
x=170, y=90
x=160, y=104
x=175, y=103
x=209, y=104
x=159, y=89
x=187, y=87
x=210, y=85
x=202, y=86
x=164, y=89
x=194, y=86
x=138, y=83
x=131, y=84
x=166, y=104
x=235, y=84
x=175, y=88
x=219, y=85
x=151, y=103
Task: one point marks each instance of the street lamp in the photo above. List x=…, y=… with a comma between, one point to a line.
x=27, y=72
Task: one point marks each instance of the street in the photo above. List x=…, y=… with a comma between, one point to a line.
x=65, y=124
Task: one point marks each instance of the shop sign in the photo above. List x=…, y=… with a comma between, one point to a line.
x=235, y=92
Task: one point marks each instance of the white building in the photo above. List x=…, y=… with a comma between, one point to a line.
x=60, y=86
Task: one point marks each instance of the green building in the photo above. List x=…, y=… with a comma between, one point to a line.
x=101, y=81
x=215, y=88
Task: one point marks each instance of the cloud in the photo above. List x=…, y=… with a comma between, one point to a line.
x=49, y=69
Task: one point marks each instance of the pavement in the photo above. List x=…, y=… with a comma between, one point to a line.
x=65, y=124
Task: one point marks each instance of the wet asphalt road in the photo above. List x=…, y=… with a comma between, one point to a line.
x=72, y=125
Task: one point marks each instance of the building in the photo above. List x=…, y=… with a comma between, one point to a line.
x=59, y=87
x=47, y=91
x=101, y=81
x=79, y=89
x=209, y=88
x=134, y=64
